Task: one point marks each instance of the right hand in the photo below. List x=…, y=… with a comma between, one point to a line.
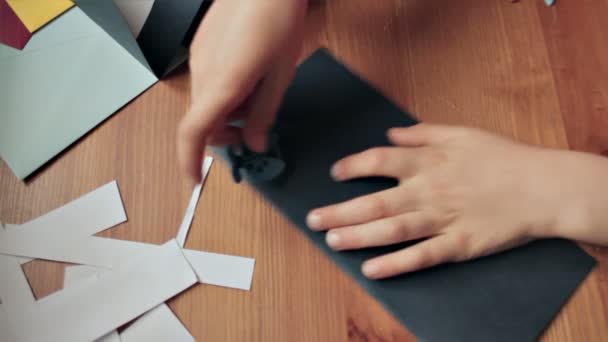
x=242, y=59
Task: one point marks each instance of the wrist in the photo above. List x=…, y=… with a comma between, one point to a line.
x=583, y=199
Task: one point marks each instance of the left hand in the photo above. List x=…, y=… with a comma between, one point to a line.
x=470, y=193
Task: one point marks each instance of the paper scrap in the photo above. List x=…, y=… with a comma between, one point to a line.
x=222, y=270
x=15, y=292
x=35, y=13
x=211, y=268
x=90, y=214
x=184, y=228
x=115, y=298
x=157, y=325
x=75, y=274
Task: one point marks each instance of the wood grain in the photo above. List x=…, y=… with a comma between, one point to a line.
x=533, y=73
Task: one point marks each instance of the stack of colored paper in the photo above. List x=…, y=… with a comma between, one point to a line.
x=82, y=65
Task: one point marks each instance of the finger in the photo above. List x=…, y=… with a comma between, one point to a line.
x=391, y=162
x=264, y=105
x=405, y=227
x=193, y=132
x=363, y=209
x=419, y=135
x=228, y=135
x=428, y=253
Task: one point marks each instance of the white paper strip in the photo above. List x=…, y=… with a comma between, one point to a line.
x=111, y=337
x=90, y=214
x=75, y=274
x=222, y=270
x=157, y=325
x=211, y=268
x=184, y=228
x=15, y=292
x=14, y=288
x=101, y=305
x=6, y=329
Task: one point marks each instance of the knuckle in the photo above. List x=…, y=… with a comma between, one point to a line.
x=376, y=158
x=462, y=248
x=400, y=229
x=422, y=258
x=435, y=156
x=378, y=206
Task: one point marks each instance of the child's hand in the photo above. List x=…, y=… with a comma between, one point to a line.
x=469, y=192
x=241, y=61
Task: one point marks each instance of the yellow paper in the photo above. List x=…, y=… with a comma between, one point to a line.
x=36, y=13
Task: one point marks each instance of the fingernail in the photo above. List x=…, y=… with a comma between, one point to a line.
x=335, y=171
x=371, y=270
x=314, y=220
x=332, y=239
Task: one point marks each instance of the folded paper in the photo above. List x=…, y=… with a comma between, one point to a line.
x=74, y=73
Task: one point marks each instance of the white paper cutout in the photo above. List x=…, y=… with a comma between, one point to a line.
x=184, y=228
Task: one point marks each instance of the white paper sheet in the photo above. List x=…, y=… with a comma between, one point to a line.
x=14, y=288
x=157, y=325
x=101, y=305
x=135, y=13
x=15, y=292
x=222, y=270
x=184, y=228
x=90, y=214
x=111, y=337
x=211, y=268
x=6, y=330
x=75, y=274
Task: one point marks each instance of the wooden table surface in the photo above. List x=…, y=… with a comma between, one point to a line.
x=534, y=73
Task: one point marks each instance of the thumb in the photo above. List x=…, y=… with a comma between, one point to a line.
x=195, y=128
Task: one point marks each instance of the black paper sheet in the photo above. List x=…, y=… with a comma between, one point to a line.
x=329, y=113
x=168, y=31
